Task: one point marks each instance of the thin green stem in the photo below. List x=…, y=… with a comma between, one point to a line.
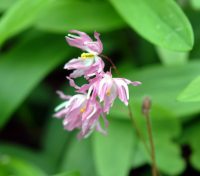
x=138, y=132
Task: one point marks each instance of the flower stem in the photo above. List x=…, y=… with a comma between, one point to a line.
x=112, y=64
x=145, y=109
x=138, y=132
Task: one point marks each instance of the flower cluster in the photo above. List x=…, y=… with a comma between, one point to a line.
x=94, y=99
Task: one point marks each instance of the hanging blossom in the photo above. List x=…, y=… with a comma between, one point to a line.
x=93, y=100
x=80, y=112
x=108, y=89
x=88, y=63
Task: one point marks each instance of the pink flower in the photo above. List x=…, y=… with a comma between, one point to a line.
x=89, y=63
x=85, y=65
x=108, y=88
x=84, y=42
x=80, y=112
x=83, y=110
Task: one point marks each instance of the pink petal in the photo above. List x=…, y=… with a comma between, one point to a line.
x=134, y=83
x=63, y=96
x=75, y=64
x=108, y=101
x=72, y=83
x=100, y=129
x=122, y=89
x=96, y=35
x=78, y=41
x=77, y=73
x=83, y=41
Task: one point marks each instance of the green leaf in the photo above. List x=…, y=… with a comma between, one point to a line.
x=191, y=92
x=172, y=58
x=191, y=138
x=194, y=19
x=168, y=155
x=64, y=15
x=78, y=156
x=162, y=84
x=115, y=148
x=26, y=154
x=168, y=152
x=19, y=17
x=5, y=4
x=24, y=67
x=54, y=128
x=160, y=22
x=18, y=167
x=69, y=174
x=195, y=4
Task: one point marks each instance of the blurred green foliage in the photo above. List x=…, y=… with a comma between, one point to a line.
x=153, y=41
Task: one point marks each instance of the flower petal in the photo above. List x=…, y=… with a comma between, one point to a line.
x=122, y=89
x=75, y=64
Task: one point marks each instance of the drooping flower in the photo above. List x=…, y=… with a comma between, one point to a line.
x=85, y=66
x=89, y=63
x=84, y=42
x=83, y=110
x=81, y=113
x=108, y=88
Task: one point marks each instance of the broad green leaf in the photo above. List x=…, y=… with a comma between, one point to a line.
x=194, y=19
x=78, y=156
x=168, y=153
x=68, y=174
x=160, y=22
x=191, y=92
x=191, y=137
x=53, y=146
x=115, y=148
x=26, y=154
x=24, y=67
x=5, y=4
x=19, y=17
x=195, y=4
x=63, y=15
x=163, y=86
x=172, y=58
x=18, y=167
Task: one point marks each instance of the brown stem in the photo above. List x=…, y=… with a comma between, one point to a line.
x=138, y=132
x=145, y=110
x=111, y=62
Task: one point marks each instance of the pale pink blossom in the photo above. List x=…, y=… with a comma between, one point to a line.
x=79, y=112
x=83, y=41
x=84, y=66
x=108, y=89
x=89, y=63
x=83, y=110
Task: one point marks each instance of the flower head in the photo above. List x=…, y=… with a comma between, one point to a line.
x=89, y=63
x=108, y=88
x=85, y=66
x=79, y=112
x=84, y=42
x=83, y=110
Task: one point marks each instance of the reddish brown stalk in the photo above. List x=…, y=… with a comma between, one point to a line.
x=138, y=132
x=111, y=62
x=145, y=109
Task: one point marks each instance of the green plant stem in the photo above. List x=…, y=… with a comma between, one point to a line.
x=138, y=132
